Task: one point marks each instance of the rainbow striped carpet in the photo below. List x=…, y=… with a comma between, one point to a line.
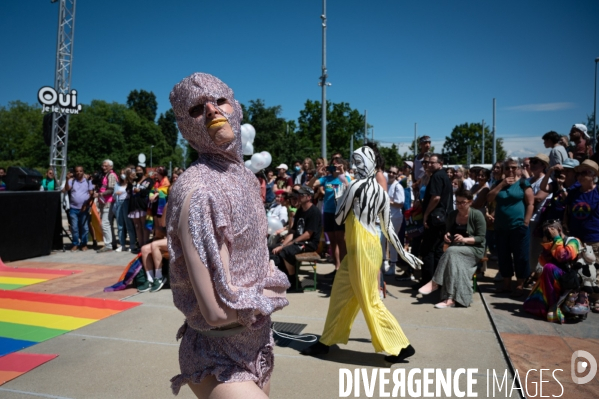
x=16, y=364
x=27, y=318
x=12, y=278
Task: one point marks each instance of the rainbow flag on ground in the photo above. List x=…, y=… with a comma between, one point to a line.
x=128, y=275
x=15, y=364
x=12, y=278
x=27, y=318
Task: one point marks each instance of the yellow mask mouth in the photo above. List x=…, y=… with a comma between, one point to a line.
x=216, y=123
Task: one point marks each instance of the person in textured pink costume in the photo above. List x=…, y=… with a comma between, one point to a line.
x=220, y=273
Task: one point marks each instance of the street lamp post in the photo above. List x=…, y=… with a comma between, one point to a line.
x=151, y=148
x=595, y=106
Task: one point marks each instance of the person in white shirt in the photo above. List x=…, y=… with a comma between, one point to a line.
x=558, y=153
x=397, y=198
x=469, y=182
x=277, y=209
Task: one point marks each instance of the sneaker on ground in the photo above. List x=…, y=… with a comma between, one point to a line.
x=145, y=287
x=119, y=249
x=158, y=284
x=386, y=266
x=104, y=249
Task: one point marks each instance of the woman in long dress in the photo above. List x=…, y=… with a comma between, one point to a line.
x=356, y=286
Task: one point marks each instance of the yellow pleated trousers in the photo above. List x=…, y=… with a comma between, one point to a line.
x=356, y=287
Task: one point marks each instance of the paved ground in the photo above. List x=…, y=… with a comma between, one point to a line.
x=134, y=353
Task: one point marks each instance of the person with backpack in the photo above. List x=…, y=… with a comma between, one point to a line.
x=514, y=200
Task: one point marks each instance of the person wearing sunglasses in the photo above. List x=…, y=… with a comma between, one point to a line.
x=514, y=206
x=582, y=206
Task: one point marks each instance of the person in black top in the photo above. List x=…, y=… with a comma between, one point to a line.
x=307, y=227
x=436, y=204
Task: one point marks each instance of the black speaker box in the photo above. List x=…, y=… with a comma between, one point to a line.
x=22, y=179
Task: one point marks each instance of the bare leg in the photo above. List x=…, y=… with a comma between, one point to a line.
x=334, y=249
x=210, y=388
x=139, y=231
x=157, y=248
x=290, y=268
x=340, y=239
x=146, y=258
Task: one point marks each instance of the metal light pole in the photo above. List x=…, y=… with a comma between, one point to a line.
x=494, y=149
x=323, y=81
x=595, y=106
x=365, y=126
x=415, y=138
x=151, y=148
x=483, y=136
x=62, y=85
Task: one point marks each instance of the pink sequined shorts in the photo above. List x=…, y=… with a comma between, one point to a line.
x=247, y=356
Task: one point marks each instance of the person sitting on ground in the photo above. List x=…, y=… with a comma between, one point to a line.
x=466, y=230
x=559, y=252
x=306, y=233
x=151, y=258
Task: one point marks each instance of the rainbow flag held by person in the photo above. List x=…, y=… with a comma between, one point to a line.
x=27, y=318
x=127, y=276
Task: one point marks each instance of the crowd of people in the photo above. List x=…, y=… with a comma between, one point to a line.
x=134, y=199
x=522, y=213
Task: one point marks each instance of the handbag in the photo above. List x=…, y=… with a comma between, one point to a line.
x=438, y=217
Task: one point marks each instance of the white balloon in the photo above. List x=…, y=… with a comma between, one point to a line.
x=258, y=161
x=274, y=224
x=251, y=132
x=248, y=149
x=248, y=164
x=267, y=158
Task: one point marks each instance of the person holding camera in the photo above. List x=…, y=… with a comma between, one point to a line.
x=558, y=277
x=466, y=231
x=333, y=179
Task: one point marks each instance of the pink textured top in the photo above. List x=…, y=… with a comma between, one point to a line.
x=225, y=208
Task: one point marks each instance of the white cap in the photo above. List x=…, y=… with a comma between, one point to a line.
x=282, y=166
x=582, y=128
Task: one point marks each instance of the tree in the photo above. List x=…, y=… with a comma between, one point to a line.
x=342, y=123
x=469, y=134
x=168, y=126
x=21, y=139
x=143, y=103
x=273, y=133
x=391, y=156
x=112, y=131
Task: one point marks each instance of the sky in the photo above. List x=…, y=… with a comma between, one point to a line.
x=436, y=64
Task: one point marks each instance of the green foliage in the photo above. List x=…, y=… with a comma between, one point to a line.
x=168, y=126
x=21, y=139
x=113, y=131
x=143, y=103
x=342, y=123
x=469, y=134
x=391, y=156
x=273, y=133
